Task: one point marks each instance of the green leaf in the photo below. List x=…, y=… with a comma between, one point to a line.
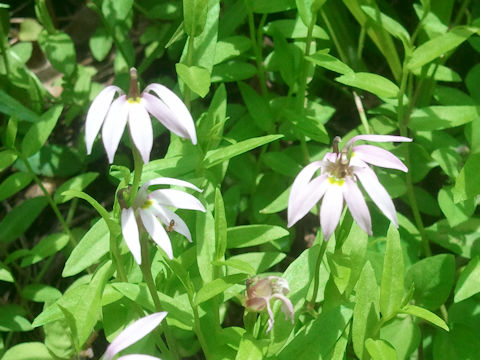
x=268, y=7
x=280, y=203
x=403, y=333
x=100, y=43
x=249, y=348
x=329, y=62
x=380, y=350
x=205, y=244
x=116, y=10
x=19, y=219
x=365, y=311
x=281, y=163
x=456, y=213
x=10, y=106
x=460, y=343
x=196, y=78
x=425, y=314
x=7, y=157
x=217, y=156
x=433, y=279
x=252, y=235
x=220, y=226
x=5, y=274
x=466, y=186
x=14, y=183
x=442, y=117
x=257, y=106
x=440, y=45
x=41, y=293
x=391, y=290
x=194, y=16
x=217, y=286
x=294, y=29
x=39, y=132
x=390, y=25
x=60, y=51
x=28, y=351
x=258, y=261
x=12, y=319
x=77, y=183
x=233, y=71
x=231, y=47
x=90, y=249
x=49, y=245
x=373, y=83
x=29, y=30
x=236, y=264
x=468, y=283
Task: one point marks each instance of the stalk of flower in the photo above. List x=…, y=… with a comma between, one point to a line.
x=149, y=208
x=133, y=333
x=260, y=293
x=340, y=172
x=135, y=109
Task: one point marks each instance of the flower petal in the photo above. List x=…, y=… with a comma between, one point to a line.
x=130, y=233
x=271, y=319
x=165, y=115
x=166, y=215
x=114, y=125
x=141, y=129
x=138, y=357
x=169, y=181
x=287, y=307
x=377, y=192
x=133, y=333
x=378, y=157
x=177, y=198
x=378, y=138
x=306, y=198
x=97, y=113
x=357, y=205
x=156, y=231
x=331, y=210
x=298, y=193
x=177, y=107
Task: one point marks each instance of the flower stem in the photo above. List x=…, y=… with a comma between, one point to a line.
x=145, y=267
x=137, y=174
x=256, y=38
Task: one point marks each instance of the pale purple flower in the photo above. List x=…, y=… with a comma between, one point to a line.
x=339, y=173
x=148, y=208
x=131, y=334
x=260, y=292
x=136, y=108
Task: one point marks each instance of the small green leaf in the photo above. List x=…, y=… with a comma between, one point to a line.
x=257, y=106
x=380, y=350
x=231, y=47
x=442, y=117
x=466, y=185
x=388, y=24
x=373, y=83
x=440, y=45
x=59, y=49
x=268, y=7
x=38, y=133
x=49, y=245
x=29, y=30
x=12, y=319
x=93, y=245
x=468, y=283
x=28, y=351
x=41, y=293
x=251, y=235
x=11, y=107
x=330, y=62
x=391, y=291
x=281, y=163
x=237, y=264
x=425, y=314
x=19, y=219
x=220, y=226
x=217, y=286
x=7, y=157
x=194, y=16
x=196, y=78
x=78, y=183
x=294, y=29
x=249, y=348
x=217, y=156
x=100, y=43
x=233, y=71
x=14, y=183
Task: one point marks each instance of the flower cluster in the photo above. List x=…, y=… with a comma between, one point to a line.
x=339, y=173
x=260, y=292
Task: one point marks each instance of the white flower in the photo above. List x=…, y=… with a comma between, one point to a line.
x=260, y=292
x=339, y=172
x=135, y=108
x=131, y=334
x=148, y=208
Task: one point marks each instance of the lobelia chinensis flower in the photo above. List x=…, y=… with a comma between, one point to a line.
x=134, y=108
x=131, y=334
x=339, y=173
x=148, y=208
x=261, y=291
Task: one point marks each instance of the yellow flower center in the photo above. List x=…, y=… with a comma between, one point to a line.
x=136, y=100
x=335, y=181
x=147, y=204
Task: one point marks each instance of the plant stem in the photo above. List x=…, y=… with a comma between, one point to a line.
x=49, y=198
x=256, y=39
x=361, y=112
x=137, y=174
x=148, y=277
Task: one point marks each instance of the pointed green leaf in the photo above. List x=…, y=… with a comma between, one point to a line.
x=251, y=235
x=391, y=291
x=370, y=82
x=14, y=183
x=330, y=62
x=78, y=183
x=28, y=351
x=388, y=24
x=220, y=227
x=380, y=350
x=425, y=314
x=194, y=16
x=195, y=77
x=468, y=283
x=217, y=286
